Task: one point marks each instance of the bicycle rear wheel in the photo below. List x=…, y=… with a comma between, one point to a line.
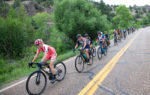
x=61, y=71
x=94, y=52
x=79, y=64
x=105, y=53
x=91, y=58
x=36, y=83
x=99, y=53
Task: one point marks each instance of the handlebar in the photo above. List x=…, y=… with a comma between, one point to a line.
x=37, y=64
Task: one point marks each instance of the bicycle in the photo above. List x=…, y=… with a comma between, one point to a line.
x=37, y=81
x=81, y=60
x=102, y=49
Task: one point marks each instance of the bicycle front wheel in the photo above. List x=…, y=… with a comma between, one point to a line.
x=61, y=71
x=36, y=83
x=99, y=53
x=79, y=64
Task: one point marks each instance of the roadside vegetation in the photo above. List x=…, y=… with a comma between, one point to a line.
x=69, y=17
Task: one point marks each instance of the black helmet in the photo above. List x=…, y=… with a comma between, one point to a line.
x=99, y=32
x=86, y=35
x=78, y=35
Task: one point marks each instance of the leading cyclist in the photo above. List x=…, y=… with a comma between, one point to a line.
x=49, y=54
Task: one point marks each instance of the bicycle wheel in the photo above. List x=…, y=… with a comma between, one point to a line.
x=91, y=58
x=99, y=53
x=79, y=63
x=36, y=83
x=94, y=52
x=61, y=71
x=105, y=53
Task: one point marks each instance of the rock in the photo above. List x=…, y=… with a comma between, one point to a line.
x=32, y=7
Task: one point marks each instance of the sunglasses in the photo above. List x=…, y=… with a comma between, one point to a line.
x=37, y=44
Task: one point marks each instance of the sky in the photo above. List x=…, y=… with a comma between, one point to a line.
x=126, y=2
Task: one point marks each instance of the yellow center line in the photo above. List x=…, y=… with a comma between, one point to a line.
x=92, y=86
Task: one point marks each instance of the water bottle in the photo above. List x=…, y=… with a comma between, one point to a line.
x=46, y=69
x=84, y=55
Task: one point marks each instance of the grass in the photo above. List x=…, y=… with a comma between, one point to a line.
x=14, y=69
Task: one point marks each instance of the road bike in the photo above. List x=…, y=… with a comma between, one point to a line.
x=37, y=81
x=81, y=60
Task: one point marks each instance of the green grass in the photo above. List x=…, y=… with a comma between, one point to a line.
x=14, y=69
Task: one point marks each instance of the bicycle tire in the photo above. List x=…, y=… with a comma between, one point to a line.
x=99, y=53
x=91, y=58
x=94, y=52
x=60, y=70
x=76, y=63
x=30, y=77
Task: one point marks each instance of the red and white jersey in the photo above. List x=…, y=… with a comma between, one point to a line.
x=48, y=49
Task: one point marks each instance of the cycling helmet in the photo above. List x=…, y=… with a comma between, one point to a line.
x=99, y=32
x=86, y=35
x=78, y=35
x=38, y=41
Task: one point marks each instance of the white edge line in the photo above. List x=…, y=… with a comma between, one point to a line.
x=4, y=89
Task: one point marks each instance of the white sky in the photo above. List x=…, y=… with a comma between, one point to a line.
x=126, y=2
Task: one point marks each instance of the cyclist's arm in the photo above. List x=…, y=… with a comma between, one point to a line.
x=76, y=46
x=96, y=40
x=35, y=57
x=44, y=57
x=84, y=44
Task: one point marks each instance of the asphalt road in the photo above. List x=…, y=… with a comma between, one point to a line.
x=130, y=75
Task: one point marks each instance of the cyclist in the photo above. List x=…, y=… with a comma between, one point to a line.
x=88, y=37
x=107, y=39
x=115, y=34
x=118, y=32
x=49, y=54
x=85, y=45
x=100, y=38
x=124, y=33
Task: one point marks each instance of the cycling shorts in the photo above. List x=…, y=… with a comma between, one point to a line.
x=52, y=57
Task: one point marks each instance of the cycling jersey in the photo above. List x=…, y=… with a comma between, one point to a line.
x=82, y=41
x=115, y=34
x=51, y=53
x=107, y=37
x=118, y=32
x=100, y=38
x=90, y=40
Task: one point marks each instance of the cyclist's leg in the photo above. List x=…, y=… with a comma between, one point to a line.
x=51, y=65
x=52, y=62
x=87, y=53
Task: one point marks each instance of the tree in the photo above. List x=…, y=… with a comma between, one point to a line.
x=78, y=16
x=123, y=17
x=144, y=10
x=105, y=9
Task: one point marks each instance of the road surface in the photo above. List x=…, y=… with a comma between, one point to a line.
x=129, y=74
